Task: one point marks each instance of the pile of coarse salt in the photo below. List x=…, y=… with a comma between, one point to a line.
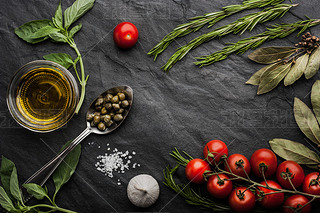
x=117, y=161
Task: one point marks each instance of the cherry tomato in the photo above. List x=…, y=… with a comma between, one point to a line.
x=195, y=169
x=235, y=161
x=311, y=184
x=296, y=201
x=217, y=148
x=270, y=201
x=263, y=159
x=241, y=200
x=125, y=35
x=219, y=186
x=293, y=170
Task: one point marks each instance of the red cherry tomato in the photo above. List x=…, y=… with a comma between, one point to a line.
x=241, y=200
x=235, y=161
x=295, y=172
x=296, y=201
x=263, y=159
x=270, y=201
x=195, y=169
x=311, y=184
x=217, y=148
x=125, y=35
x=219, y=186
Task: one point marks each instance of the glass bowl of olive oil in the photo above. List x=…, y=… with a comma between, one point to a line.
x=42, y=96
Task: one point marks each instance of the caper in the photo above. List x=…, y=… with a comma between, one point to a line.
x=118, y=117
x=125, y=104
x=97, y=113
x=98, y=108
x=116, y=107
x=101, y=126
x=96, y=119
x=122, y=96
x=103, y=111
x=92, y=124
x=107, y=118
x=90, y=117
x=111, y=114
x=108, y=97
x=108, y=106
x=115, y=99
x=99, y=101
x=120, y=111
x=109, y=123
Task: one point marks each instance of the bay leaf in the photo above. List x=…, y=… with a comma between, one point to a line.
x=313, y=64
x=315, y=99
x=268, y=55
x=255, y=78
x=306, y=121
x=297, y=70
x=272, y=77
x=290, y=150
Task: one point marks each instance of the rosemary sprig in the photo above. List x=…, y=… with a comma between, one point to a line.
x=247, y=22
x=277, y=31
x=198, y=22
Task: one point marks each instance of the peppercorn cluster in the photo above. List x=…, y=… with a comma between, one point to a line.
x=309, y=42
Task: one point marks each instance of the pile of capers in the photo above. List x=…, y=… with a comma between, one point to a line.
x=108, y=109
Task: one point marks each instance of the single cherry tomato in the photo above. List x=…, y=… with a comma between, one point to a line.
x=263, y=160
x=270, y=201
x=219, y=186
x=217, y=148
x=195, y=169
x=125, y=35
x=236, y=162
x=242, y=199
x=290, y=170
x=311, y=184
x=296, y=202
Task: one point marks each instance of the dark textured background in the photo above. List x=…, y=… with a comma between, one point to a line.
x=185, y=108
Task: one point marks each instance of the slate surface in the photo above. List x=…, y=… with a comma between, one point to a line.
x=185, y=108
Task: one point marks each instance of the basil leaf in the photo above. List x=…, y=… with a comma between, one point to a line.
x=5, y=201
x=14, y=185
x=68, y=166
x=272, y=77
x=35, y=190
x=5, y=173
x=57, y=19
x=63, y=59
x=290, y=150
x=76, y=10
x=313, y=64
x=268, y=55
x=74, y=30
x=58, y=37
x=306, y=121
x=297, y=70
x=255, y=78
x=315, y=99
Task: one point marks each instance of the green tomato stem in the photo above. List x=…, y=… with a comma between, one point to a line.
x=55, y=208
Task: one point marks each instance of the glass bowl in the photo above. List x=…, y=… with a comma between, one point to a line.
x=42, y=96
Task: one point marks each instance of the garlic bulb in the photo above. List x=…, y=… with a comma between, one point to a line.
x=143, y=190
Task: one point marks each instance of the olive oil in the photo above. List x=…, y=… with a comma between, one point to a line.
x=43, y=96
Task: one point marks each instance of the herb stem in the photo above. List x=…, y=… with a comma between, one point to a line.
x=55, y=208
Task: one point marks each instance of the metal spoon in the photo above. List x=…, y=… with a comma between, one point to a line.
x=42, y=175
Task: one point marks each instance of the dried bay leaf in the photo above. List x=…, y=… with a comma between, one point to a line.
x=297, y=70
x=290, y=150
x=272, y=77
x=315, y=99
x=268, y=55
x=313, y=64
x=255, y=78
x=306, y=121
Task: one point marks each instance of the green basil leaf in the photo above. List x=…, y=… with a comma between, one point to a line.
x=272, y=77
x=290, y=150
x=58, y=37
x=76, y=10
x=68, y=166
x=57, y=19
x=5, y=201
x=14, y=186
x=315, y=99
x=5, y=172
x=313, y=64
x=63, y=59
x=35, y=190
x=297, y=70
x=74, y=30
x=256, y=77
x=268, y=55
x=306, y=121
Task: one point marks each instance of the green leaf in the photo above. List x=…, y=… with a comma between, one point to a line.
x=268, y=55
x=315, y=99
x=68, y=166
x=297, y=70
x=306, y=121
x=76, y=10
x=313, y=64
x=63, y=59
x=35, y=190
x=14, y=185
x=30, y=30
x=290, y=150
x=272, y=77
x=57, y=19
x=58, y=37
x=5, y=201
x=255, y=78
x=5, y=172
x=74, y=30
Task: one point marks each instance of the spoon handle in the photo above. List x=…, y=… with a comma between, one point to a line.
x=42, y=175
